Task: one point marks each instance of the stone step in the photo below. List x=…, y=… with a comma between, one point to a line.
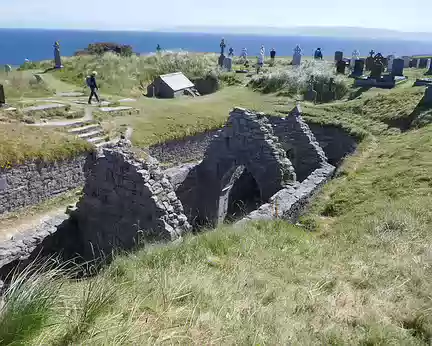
x=115, y=109
x=83, y=129
x=102, y=144
x=70, y=94
x=44, y=107
x=96, y=140
x=88, y=135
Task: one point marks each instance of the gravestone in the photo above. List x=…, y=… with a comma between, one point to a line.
x=2, y=96
x=221, y=60
x=407, y=60
x=297, y=56
x=340, y=67
x=57, y=58
x=310, y=95
x=427, y=99
x=227, y=64
x=376, y=70
x=397, y=67
x=428, y=65
x=423, y=63
x=7, y=68
x=418, y=63
x=358, y=68
x=354, y=57
x=338, y=56
x=390, y=60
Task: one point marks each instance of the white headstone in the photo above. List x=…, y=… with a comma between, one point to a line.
x=418, y=63
x=390, y=59
x=428, y=65
x=355, y=56
x=297, y=56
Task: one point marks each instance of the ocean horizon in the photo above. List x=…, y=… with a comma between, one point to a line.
x=16, y=45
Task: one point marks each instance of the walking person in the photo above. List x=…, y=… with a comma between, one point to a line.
x=91, y=83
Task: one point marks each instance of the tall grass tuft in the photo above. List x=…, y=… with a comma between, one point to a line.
x=125, y=75
x=18, y=85
x=27, y=301
x=296, y=80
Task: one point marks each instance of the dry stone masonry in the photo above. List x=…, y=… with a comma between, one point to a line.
x=126, y=199
x=245, y=143
x=34, y=182
x=256, y=167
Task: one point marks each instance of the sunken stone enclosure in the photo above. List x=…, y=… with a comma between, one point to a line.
x=256, y=167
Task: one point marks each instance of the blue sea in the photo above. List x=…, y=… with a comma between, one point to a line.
x=16, y=45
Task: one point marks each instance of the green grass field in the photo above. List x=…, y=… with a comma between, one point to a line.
x=355, y=271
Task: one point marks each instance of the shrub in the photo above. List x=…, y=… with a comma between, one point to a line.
x=104, y=47
x=296, y=80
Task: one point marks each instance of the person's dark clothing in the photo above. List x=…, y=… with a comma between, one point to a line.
x=318, y=54
x=92, y=83
x=93, y=93
x=93, y=87
x=272, y=54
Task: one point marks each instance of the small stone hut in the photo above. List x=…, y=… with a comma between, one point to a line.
x=169, y=85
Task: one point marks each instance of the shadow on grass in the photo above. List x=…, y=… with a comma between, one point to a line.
x=355, y=94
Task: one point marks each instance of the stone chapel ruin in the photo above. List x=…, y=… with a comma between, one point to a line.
x=257, y=166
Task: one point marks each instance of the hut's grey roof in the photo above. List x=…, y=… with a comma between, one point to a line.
x=177, y=81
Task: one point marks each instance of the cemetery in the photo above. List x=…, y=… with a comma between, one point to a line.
x=190, y=178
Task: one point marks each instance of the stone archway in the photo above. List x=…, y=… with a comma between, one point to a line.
x=247, y=140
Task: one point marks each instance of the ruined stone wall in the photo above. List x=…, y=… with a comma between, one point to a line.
x=335, y=142
x=127, y=200
x=34, y=182
x=301, y=147
x=291, y=201
x=246, y=140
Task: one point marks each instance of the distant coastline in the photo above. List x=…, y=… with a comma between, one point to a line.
x=16, y=45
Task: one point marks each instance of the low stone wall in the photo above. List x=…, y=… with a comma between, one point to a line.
x=34, y=182
x=288, y=203
x=183, y=150
x=24, y=247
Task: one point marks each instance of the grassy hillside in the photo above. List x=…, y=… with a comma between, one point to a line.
x=19, y=143
x=355, y=271
x=360, y=277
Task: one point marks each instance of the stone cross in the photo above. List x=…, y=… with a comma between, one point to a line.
x=57, y=58
x=2, y=96
x=355, y=55
x=297, y=56
x=222, y=46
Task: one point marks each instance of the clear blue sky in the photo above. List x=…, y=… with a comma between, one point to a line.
x=403, y=15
